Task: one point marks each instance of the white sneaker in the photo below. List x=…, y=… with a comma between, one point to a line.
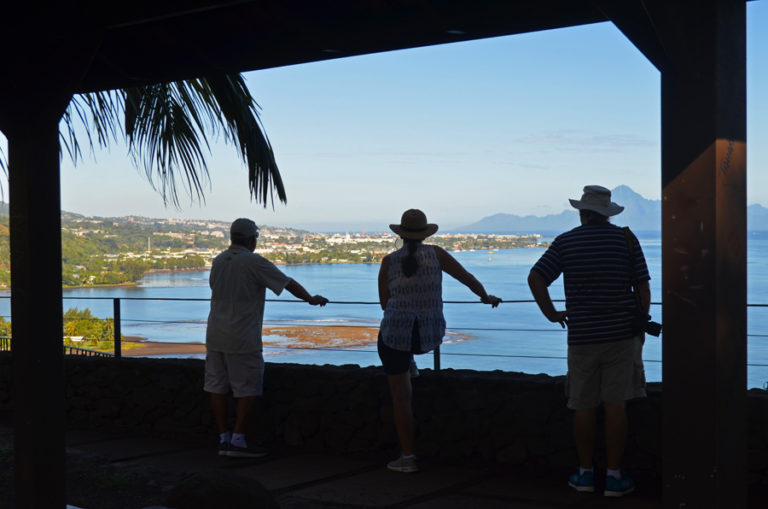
x=403, y=464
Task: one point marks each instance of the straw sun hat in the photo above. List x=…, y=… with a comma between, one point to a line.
x=413, y=225
x=597, y=199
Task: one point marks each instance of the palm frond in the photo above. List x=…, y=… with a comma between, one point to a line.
x=243, y=127
x=165, y=128
x=166, y=136
x=99, y=114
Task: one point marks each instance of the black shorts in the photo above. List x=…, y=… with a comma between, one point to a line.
x=396, y=362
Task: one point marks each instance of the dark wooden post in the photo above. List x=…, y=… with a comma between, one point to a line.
x=704, y=230
x=38, y=80
x=38, y=374
x=700, y=49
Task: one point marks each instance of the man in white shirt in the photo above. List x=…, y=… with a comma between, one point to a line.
x=239, y=279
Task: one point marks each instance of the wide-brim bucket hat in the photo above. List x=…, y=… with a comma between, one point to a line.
x=414, y=225
x=597, y=199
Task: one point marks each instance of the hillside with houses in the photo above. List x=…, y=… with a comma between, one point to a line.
x=120, y=250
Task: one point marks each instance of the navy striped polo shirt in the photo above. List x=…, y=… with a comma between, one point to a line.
x=595, y=263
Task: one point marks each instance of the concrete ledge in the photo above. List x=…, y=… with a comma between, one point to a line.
x=462, y=415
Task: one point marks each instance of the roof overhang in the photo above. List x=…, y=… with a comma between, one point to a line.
x=164, y=40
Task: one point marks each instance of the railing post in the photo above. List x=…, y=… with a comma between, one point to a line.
x=437, y=358
x=118, y=335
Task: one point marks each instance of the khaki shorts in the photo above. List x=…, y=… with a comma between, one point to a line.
x=604, y=372
x=241, y=372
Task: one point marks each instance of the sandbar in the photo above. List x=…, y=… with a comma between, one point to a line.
x=301, y=336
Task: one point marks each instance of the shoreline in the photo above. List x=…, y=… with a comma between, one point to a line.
x=276, y=261
x=167, y=271
x=147, y=348
x=70, y=287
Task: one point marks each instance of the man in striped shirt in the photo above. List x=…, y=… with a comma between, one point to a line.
x=604, y=349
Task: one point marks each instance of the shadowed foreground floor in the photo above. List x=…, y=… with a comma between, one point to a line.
x=108, y=470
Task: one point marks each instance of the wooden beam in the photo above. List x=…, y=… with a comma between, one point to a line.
x=700, y=49
x=246, y=36
x=703, y=250
x=634, y=21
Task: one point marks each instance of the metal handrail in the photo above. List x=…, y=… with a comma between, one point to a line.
x=5, y=346
x=85, y=352
x=5, y=341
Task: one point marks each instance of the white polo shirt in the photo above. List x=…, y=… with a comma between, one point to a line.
x=239, y=279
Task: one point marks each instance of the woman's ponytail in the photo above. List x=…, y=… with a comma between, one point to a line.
x=410, y=262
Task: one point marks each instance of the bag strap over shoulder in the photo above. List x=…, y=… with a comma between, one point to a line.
x=631, y=247
x=628, y=235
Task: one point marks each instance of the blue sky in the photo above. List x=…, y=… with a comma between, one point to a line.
x=514, y=124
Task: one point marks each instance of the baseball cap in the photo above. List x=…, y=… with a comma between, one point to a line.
x=243, y=229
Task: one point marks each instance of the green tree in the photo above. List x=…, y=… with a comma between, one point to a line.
x=82, y=323
x=5, y=327
x=77, y=314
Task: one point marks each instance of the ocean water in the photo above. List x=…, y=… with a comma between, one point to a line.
x=513, y=337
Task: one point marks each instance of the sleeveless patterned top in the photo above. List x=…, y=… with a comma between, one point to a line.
x=416, y=298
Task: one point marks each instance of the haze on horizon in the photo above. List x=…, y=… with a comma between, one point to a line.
x=512, y=125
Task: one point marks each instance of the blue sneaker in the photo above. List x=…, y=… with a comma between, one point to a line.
x=223, y=448
x=249, y=451
x=615, y=487
x=584, y=483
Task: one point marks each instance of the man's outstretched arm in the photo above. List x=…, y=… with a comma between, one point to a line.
x=541, y=293
x=299, y=292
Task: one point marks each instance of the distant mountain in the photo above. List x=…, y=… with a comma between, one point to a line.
x=757, y=217
x=639, y=214
x=511, y=223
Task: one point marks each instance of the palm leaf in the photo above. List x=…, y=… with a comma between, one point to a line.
x=165, y=127
x=99, y=113
x=243, y=127
x=166, y=138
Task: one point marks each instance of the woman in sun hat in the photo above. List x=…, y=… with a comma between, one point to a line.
x=410, y=293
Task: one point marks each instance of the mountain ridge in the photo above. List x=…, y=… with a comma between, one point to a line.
x=639, y=213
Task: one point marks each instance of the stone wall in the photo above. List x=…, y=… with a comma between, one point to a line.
x=495, y=416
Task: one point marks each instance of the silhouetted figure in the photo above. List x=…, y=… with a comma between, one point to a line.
x=604, y=348
x=239, y=279
x=411, y=295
